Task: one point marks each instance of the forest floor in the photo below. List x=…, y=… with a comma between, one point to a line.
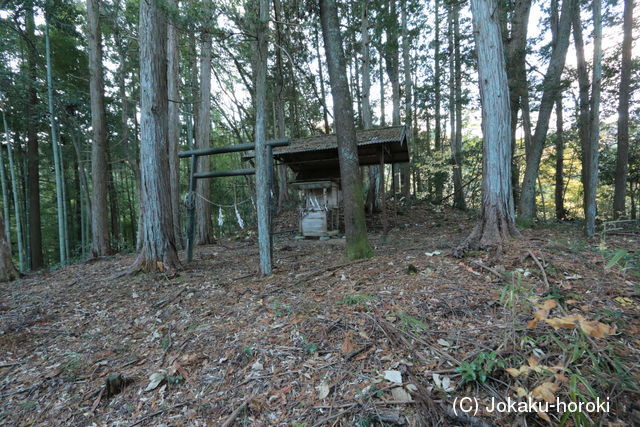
x=399, y=338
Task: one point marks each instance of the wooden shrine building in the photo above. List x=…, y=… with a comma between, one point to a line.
x=314, y=161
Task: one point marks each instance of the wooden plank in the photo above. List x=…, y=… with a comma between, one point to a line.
x=219, y=174
x=232, y=148
x=192, y=209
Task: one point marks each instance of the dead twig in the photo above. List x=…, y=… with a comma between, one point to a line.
x=162, y=411
x=336, y=415
x=231, y=418
x=539, y=264
x=7, y=365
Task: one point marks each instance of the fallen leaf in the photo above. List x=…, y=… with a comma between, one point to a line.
x=543, y=415
x=323, y=390
x=516, y=372
x=401, y=395
x=393, y=376
x=347, y=345
x=444, y=343
x=543, y=313
x=595, y=329
x=565, y=321
x=155, y=379
x=546, y=391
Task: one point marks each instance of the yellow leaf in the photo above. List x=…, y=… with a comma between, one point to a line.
x=545, y=391
x=513, y=372
x=542, y=314
x=532, y=361
x=596, y=329
x=543, y=415
x=521, y=392
x=516, y=372
x=160, y=265
x=624, y=301
x=565, y=321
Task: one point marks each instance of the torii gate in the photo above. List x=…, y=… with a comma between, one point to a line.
x=195, y=175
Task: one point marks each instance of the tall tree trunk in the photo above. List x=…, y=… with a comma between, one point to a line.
x=458, y=189
x=99, y=213
x=594, y=123
x=283, y=187
x=33, y=156
x=383, y=118
x=5, y=189
x=173, y=88
x=439, y=177
x=57, y=158
x=583, y=98
x=559, y=190
x=367, y=115
x=323, y=93
x=85, y=196
x=7, y=269
x=114, y=211
x=622, y=155
x=204, y=230
x=516, y=51
x=263, y=158
x=16, y=203
x=355, y=227
x=405, y=176
x=392, y=62
x=559, y=140
x=497, y=220
x=158, y=252
x=551, y=84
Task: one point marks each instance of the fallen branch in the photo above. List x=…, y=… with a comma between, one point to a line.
x=162, y=411
x=231, y=418
x=539, y=264
x=336, y=415
x=7, y=365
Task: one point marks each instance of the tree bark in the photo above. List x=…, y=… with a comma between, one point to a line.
x=5, y=189
x=439, y=177
x=158, y=252
x=373, y=192
x=263, y=157
x=323, y=93
x=405, y=176
x=283, y=187
x=15, y=191
x=551, y=85
x=355, y=227
x=458, y=188
x=583, y=98
x=173, y=88
x=204, y=229
x=559, y=190
x=99, y=212
x=497, y=212
x=622, y=155
x=33, y=156
x=594, y=123
x=7, y=269
x=57, y=157
x=383, y=118
x=516, y=52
